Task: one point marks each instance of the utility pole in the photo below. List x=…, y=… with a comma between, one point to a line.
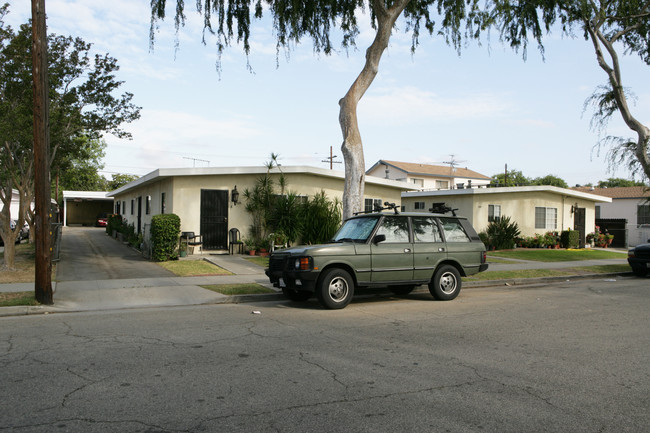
x=331, y=159
x=42, y=193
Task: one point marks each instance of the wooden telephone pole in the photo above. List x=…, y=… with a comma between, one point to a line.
x=330, y=159
x=42, y=193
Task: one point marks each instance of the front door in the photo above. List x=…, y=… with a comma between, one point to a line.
x=579, y=224
x=214, y=219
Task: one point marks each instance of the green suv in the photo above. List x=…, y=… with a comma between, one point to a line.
x=398, y=251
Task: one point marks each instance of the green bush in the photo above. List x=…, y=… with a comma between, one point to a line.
x=502, y=233
x=320, y=219
x=114, y=223
x=570, y=239
x=165, y=229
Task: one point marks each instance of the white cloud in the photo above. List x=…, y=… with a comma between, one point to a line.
x=407, y=105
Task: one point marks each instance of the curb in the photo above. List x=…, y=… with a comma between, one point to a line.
x=268, y=297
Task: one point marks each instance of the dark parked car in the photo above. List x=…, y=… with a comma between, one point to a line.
x=639, y=259
x=398, y=251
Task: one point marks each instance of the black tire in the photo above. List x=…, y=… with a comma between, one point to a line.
x=401, y=290
x=296, y=295
x=446, y=283
x=639, y=271
x=335, y=289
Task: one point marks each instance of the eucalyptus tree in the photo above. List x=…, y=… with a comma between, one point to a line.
x=613, y=27
x=319, y=21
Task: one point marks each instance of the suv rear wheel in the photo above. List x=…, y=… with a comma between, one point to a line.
x=446, y=283
x=335, y=289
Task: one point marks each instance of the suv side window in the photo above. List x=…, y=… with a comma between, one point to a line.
x=396, y=229
x=454, y=231
x=425, y=229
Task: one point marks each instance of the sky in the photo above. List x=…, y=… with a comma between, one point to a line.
x=484, y=109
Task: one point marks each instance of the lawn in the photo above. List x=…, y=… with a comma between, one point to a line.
x=258, y=260
x=546, y=255
x=541, y=273
x=17, y=299
x=238, y=289
x=193, y=268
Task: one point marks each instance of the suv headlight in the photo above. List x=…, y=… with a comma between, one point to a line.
x=304, y=264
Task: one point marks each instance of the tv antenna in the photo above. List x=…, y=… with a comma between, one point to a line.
x=453, y=163
x=197, y=159
x=330, y=159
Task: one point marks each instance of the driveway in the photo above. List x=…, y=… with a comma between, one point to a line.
x=88, y=254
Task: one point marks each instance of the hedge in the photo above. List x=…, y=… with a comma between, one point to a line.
x=165, y=229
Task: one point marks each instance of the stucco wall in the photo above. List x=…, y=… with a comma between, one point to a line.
x=183, y=196
x=520, y=207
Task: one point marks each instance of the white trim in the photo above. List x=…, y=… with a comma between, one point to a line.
x=509, y=190
x=161, y=173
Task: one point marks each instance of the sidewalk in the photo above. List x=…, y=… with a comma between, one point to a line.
x=97, y=295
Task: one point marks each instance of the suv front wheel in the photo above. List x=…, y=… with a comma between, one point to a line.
x=335, y=289
x=446, y=283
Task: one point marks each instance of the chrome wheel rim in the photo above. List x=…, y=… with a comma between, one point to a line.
x=448, y=283
x=338, y=289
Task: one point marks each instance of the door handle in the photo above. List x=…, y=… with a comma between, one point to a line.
x=441, y=250
x=407, y=250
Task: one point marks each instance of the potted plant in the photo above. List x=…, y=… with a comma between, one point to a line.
x=250, y=246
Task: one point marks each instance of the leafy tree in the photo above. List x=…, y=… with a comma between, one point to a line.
x=83, y=106
x=550, y=180
x=119, y=180
x=511, y=178
x=80, y=171
x=316, y=20
x=612, y=26
x=615, y=182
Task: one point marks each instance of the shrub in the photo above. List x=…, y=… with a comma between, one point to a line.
x=114, y=223
x=502, y=233
x=570, y=239
x=321, y=218
x=165, y=229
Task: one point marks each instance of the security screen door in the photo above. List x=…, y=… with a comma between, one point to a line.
x=214, y=219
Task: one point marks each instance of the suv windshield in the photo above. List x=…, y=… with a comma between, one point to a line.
x=356, y=229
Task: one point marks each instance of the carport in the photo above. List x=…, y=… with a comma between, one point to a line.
x=82, y=207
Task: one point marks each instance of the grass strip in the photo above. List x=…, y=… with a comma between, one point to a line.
x=541, y=273
x=193, y=268
x=547, y=255
x=17, y=299
x=260, y=261
x=238, y=289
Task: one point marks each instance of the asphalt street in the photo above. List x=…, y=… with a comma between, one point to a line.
x=564, y=357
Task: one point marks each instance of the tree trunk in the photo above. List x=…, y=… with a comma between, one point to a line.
x=613, y=72
x=352, y=147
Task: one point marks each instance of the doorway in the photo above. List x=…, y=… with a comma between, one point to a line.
x=214, y=219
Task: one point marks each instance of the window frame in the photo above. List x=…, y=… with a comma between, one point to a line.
x=549, y=218
x=493, y=210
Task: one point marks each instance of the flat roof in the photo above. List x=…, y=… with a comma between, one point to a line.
x=163, y=173
x=86, y=195
x=508, y=190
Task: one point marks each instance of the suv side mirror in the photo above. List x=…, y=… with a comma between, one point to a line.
x=378, y=238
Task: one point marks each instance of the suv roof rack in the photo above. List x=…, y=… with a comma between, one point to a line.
x=441, y=208
x=378, y=208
